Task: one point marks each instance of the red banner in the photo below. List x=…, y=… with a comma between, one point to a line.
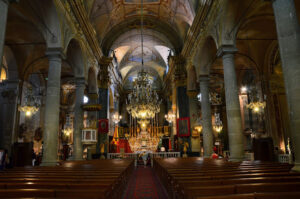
x=103, y=126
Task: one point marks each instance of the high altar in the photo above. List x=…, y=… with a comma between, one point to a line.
x=143, y=141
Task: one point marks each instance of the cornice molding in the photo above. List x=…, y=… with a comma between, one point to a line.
x=86, y=26
x=199, y=25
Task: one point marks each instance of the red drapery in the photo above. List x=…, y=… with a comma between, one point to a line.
x=123, y=143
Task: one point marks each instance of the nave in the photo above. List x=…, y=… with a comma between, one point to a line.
x=149, y=98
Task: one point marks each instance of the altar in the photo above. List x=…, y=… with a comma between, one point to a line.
x=143, y=142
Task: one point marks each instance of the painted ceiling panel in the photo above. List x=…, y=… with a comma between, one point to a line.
x=110, y=17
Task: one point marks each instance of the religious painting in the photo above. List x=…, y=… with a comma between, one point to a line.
x=183, y=127
x=103, y=126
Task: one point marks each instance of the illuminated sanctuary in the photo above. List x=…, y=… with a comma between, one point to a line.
x=150, y=99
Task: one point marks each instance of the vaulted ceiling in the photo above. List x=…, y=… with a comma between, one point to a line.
x=118, y=27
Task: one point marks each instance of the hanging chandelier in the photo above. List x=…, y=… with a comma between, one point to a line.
x=198, y=125
x=256, y=106
x=170, y=116
x=68, y=127
x=143, y=102
x=31, y=103
x=116, y=118
x=218, y=125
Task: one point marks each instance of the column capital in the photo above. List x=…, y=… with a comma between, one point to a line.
x=55, y=53
x=226, y=49
x=192, y=93
x=204, y=78
x=105, y=61
x=103, y=75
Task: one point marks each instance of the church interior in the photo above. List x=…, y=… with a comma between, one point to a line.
x=196, y=99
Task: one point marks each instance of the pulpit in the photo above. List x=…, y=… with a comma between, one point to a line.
x=89, y=136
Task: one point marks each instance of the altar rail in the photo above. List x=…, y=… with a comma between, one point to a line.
x=123, y=156
x=164, y=155
x=135, y=156
x=285, y=158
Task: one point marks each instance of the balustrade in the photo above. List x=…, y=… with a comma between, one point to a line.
x=136, y=155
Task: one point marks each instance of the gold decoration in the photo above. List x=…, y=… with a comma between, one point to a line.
x=257, y=107
x=91, y=107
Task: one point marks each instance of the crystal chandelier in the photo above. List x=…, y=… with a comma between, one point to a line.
x=255, y=103
x=116, y=118
x=68, y=127
x=31, y=103
x=256, y=106
x=218, y=125
x=198, y=125
x=170, y=116
x=143, y=102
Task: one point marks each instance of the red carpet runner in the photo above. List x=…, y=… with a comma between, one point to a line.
x=144, y=184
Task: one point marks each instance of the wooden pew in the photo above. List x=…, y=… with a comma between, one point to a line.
x=82, y=179
x=196, y=178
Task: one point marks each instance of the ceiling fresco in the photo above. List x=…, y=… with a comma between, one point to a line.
x=118, y=27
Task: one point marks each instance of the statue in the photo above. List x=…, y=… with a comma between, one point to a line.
x=102, y=151
x=38, y=134
x=22, y=131
x=185, y=148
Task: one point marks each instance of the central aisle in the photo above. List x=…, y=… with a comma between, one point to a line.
x=144, y=184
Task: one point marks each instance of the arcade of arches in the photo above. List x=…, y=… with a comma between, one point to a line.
x=227, y=75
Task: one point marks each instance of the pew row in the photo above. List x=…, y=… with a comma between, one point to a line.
x=76, y=179
x=196, y=178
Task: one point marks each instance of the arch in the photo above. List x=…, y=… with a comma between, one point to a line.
x=11, y=63
x=53, y=25
x=233, y=12
x=191, y=79
x=158, y=26
x=272, y=53
x=205, y=56
x=76, y=58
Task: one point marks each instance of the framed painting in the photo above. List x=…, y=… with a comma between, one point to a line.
x=103, y=126
x=183, y=127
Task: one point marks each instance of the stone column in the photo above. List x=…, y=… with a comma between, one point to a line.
x=234, y=121
x=92, y=116
x=3, y=18
x=103, y=84
x=288, y=31
x=78, y=119
x=207, y=130
x=9, y=108
x=194, y=115
x=174, y=110
x=182, y=99
x=51, y=126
